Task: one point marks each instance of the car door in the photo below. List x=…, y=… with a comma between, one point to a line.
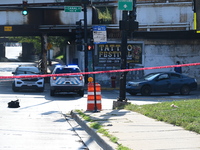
x=176, y=82
x=162, y=83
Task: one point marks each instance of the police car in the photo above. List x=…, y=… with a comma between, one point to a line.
x=67, y=83
x=27, y=83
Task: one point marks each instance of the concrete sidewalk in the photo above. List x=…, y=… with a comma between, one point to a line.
x=139, y=132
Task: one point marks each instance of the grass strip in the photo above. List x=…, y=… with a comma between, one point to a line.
x=97, y=126
x=184, y=113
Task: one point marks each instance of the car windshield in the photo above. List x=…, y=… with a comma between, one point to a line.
x=151, y=76
x=66, y=70
x=27, y=71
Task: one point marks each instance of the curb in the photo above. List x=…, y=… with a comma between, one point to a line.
x=100, y=141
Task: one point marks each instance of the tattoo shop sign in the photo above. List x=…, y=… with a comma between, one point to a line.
x=110, y=53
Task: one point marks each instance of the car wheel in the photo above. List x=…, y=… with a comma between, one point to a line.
x=185, y=90
x=146, y=90
x=14, y=88
x=132, y=93
x=52, y=92
x=81, y=93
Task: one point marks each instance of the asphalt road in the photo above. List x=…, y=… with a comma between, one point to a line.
x=41, y=121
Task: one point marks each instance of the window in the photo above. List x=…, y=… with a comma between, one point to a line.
x=67, y=70
x=175, y=76
x=27, y=71
x=163, y=77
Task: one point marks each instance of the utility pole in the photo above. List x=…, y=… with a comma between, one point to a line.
x=126, y=25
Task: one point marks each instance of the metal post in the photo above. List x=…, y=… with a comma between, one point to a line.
x=122, y=93
x=85, y=41
x=93, y=68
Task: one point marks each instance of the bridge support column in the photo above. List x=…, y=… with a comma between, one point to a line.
x=27, y=51
x=44, y=53
x=2, y=52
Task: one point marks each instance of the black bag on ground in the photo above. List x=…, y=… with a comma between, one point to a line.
x=13, y=104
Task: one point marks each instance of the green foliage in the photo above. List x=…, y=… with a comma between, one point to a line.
x=106, y=133
x=113, y=139
x=95, y=125
x=56, y=41
x=121, y=147
x=36, y=40
x=84, y=116
x=60, y=57
x=186, y=114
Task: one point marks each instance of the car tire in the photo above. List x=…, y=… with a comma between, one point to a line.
x=185, y=90
x=14, y=88
x=52, y=92
x=146, y=90
x=81, y=93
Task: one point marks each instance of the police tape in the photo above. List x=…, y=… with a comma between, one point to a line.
x=95, y=72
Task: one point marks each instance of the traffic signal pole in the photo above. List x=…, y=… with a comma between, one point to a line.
x=122, y=92
x=85, y=2
x=126, y=25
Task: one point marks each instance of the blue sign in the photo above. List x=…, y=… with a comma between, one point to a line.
x=99, y=28
x=99, y=34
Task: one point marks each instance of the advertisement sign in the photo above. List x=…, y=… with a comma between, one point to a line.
x=110, y=53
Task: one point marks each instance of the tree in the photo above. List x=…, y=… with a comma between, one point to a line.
x=56, y=41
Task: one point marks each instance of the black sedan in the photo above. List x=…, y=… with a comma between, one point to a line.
x=162, y=82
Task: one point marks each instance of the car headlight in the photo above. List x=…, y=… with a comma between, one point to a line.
x=133, y=84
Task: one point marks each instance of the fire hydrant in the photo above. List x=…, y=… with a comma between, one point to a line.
x=113, y=79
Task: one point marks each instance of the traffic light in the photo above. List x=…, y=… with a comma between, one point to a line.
x=90, y=47
x=24, y=8
x=79, y=35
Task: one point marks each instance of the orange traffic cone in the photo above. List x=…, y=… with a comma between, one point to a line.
x=91, y=97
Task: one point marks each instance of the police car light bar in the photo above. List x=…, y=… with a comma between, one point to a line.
x=72, y=65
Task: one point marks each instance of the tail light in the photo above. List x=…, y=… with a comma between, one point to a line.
x=54, y=78
x=81, y=77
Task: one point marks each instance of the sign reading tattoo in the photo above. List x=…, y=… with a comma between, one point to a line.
x=110, y=53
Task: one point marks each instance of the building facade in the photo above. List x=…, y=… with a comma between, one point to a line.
x=168, y=32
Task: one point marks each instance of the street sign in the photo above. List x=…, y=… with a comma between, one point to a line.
x=125, y=5
x=99, y=34
x=73, y=8
x=7, y=28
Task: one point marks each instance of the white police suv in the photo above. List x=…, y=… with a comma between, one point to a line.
x=27, y=83
x=67, y=83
